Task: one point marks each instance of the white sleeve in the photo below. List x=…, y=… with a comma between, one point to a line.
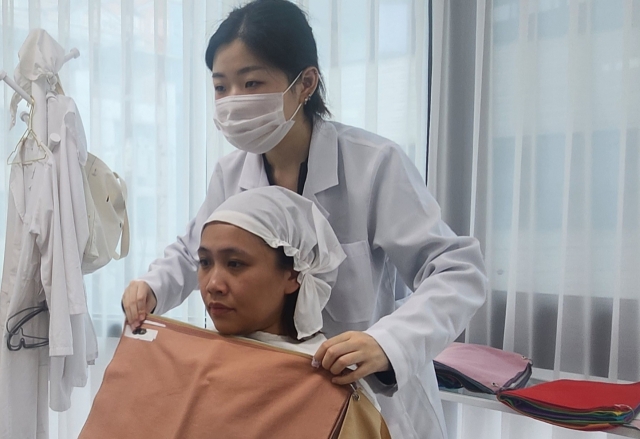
x=445, y=271
x=48, y=236
x=73, y=208
x=173, y=277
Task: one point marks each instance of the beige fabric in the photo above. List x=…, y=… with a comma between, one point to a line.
x=105, y=196
x=363, y=420
x=178, y=381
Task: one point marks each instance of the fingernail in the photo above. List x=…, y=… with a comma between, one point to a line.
x=315, y=363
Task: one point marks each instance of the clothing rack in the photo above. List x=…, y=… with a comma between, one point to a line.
x=38, y=100
x=11, y=83
x=39, y=90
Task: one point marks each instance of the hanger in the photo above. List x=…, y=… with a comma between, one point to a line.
x=28, y=134
x=14, y=329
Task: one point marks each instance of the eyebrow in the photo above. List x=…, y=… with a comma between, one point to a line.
x=225, y=250
x=242, y=71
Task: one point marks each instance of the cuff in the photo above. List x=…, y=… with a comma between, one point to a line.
x=388, y=377
x=156, y=288
x=397, y=376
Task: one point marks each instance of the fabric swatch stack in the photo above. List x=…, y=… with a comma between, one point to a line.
x=481, y=369
x=580, y=405
x=575, y=404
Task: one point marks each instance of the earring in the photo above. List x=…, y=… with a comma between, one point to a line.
x=307, y=99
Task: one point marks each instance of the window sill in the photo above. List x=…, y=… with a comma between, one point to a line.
x=490, y=402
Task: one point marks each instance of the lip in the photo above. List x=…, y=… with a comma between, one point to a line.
x=218, y=309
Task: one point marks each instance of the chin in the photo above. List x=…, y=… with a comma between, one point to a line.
x=225, y=328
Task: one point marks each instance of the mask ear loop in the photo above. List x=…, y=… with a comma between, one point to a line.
x=291, y=85
x=301, y=104
x=296, y=112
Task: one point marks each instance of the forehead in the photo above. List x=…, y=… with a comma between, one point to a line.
x=218, y=235
x=235, y=56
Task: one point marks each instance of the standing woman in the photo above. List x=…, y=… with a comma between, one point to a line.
x=269, y=104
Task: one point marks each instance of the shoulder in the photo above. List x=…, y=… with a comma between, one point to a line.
x=363, y=150
x=368, y=152
x=232, y=161
x=360, y=140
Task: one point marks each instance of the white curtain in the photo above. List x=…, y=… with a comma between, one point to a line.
x=146, y=100
x=538, y=103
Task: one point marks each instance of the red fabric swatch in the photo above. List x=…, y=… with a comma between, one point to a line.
x=581, y=405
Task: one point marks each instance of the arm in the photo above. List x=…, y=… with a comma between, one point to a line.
x=445, y=271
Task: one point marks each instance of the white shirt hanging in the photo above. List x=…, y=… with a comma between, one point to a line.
x=33, y=262
x=70, y=154
x=46, y=235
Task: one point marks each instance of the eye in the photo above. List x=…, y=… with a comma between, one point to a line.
x=203, y=262
x=251, y=84
x=235, y=264
x=219, y=88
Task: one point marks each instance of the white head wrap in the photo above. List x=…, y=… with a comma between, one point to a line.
x=283, y=218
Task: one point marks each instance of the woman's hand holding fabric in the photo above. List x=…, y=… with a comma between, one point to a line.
x=137, y=301
x=351, y=349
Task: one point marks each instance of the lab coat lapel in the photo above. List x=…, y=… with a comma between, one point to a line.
x=253, y=173
x=323, y=163
x=322, y=169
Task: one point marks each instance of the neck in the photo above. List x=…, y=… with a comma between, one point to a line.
x=294, y=148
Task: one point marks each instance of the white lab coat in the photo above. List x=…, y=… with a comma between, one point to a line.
x=70, y=157
x=391, y=230
x=33, y=261
x=46, y=234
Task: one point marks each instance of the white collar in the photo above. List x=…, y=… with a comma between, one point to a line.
x=309, y=346
x=323, y=165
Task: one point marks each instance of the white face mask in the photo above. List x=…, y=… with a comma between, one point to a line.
x=254, y=122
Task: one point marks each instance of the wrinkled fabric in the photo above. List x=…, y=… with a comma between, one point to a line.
x=70, y=155
x=310, y=347
x=47, y=231
x=285, y=219
x=481, y=368
x=40, y=55
x=577, y=404
x=34, y=271
x=179, y=381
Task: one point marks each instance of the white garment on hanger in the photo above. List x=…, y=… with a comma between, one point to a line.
x=34, y=261
x=70, y=156
x=47, y=231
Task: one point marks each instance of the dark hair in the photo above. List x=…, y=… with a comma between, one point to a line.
x=286, y=263
x=276, y=31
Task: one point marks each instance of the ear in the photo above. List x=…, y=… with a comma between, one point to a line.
x=309, y=80
x=291, y=284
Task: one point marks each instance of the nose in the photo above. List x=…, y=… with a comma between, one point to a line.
x=216, y=283
x=235, y=91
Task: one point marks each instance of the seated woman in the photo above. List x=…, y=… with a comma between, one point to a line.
x=268, y=259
